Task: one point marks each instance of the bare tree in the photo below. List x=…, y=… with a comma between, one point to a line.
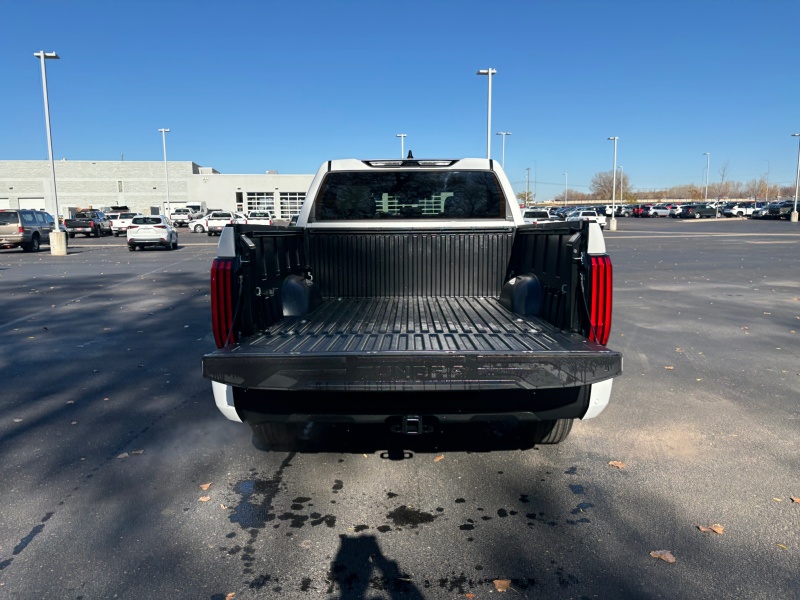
x=723, y=189
x=602, y=185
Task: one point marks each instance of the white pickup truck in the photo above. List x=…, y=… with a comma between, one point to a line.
x=180, y=217
x=588, y=215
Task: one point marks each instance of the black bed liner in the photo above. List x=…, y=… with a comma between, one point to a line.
x=412, y=343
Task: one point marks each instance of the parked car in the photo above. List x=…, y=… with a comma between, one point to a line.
x=763, y=212
x=25, y=228
x=625, y=210
x=744, y=209
x=698, y=211
x=155, y=230
x=217, y=220
x=181, y=216
x=782, y=210
x=588, y=215
x=531, y=217
x=198, y=225
x=659, y=210
x=639, y=208
x=676, y=210
x=119, y=225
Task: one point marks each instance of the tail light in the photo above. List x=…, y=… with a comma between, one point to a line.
x=600, y=299
x=161, y=226
x=20, y=230
x=222, y=301
x=133, y=227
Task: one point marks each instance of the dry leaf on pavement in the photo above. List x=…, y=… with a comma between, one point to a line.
x=230, y=596
x=664, y=555
x=438, y=458
x=205, y=498
x=123, y=455
x=669, y=368
x=205, y=486
x=715, y=528
x=502, y=585
x=617, y=463
x=137, y=452
x=469, y=596
x=795, y=499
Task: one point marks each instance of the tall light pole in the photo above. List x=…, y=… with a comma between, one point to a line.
x=58, y=244
x=708, y=159
x=796, y=179
x=503, y=157
x=566, y=188
x=402, y=137
x=488, y=73
x=528, y=186
x=612, y=225
x=164, y=133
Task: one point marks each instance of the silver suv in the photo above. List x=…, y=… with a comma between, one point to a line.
x=25, y=228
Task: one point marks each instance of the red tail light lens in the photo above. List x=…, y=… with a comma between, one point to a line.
x=600, y=310
x=222, y=301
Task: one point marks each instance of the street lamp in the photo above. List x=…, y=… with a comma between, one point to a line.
x=796, y=179
x=566, y=188
x=612, y=225
x=58, y=239
x=164, y=133
x=528, y=201
x=489, y=73
x=503, y=156
x=402, y=137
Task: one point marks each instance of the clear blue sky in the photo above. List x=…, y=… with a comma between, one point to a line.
x=247, y=86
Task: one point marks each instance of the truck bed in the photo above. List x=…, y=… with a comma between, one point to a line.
x=412, y=343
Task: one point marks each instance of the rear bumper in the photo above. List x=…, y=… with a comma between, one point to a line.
x=148, y=242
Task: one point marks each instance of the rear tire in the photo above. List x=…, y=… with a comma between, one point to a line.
x=198, y=229
x=32, y=246
x=275, y=436
x=549, y=432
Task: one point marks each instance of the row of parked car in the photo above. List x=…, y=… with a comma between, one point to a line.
x=676, y=210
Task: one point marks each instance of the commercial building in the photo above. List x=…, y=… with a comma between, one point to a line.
x=142, y=187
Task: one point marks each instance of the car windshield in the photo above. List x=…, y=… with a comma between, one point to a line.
x=371, y=195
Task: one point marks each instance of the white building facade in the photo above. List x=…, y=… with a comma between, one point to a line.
x=142, y=187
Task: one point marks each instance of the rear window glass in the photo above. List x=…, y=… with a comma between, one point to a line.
x=380, y=195
x=9, y=218
x=536, y=214
x=28, y=218
x=127, y=215
x=147, y=221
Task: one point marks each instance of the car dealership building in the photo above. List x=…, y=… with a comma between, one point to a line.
x=143, y=186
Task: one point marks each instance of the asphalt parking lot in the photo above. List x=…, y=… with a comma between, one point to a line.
x=122, y=480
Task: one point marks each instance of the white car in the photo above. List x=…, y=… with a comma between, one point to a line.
x=198, y=225
x=155, y=230
x=587, y=215
x=659, y=210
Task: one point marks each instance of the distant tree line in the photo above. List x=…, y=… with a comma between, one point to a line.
x=602, y=182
